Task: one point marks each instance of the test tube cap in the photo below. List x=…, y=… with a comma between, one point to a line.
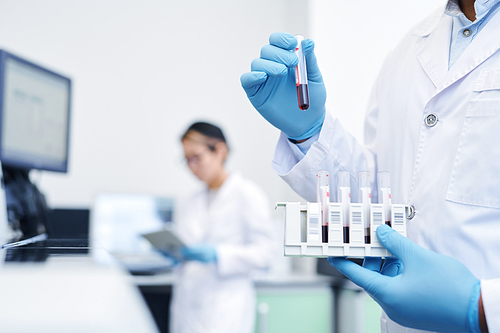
x=383, y=179
x=322, y=177
x=364, y=179
x=299, y=38
x=344, y=179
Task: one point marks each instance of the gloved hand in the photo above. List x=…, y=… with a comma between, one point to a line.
x=170, y=256
x=200, y=252
x=425, y=290
x=271, y=88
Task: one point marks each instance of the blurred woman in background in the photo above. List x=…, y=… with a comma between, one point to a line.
x=228, y=232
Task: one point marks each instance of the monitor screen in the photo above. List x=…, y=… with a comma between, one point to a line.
x=34, y=115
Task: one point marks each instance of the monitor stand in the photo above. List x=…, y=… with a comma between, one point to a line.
x=26, y=208
x=4, y=224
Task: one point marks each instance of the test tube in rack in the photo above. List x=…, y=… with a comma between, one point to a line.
x=364, y=197
x=398, y=218
x=377, y=217
x=384, y=194
x=323, y=196
x=344, y=198
x=356, y=225
x=313, y=223
x=335, y=224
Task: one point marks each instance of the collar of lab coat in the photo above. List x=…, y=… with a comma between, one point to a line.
x=229, y=183
x=433, y=54
x=426, y=27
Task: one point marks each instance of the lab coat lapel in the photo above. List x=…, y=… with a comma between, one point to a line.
x=481, y=48
x=434, y=54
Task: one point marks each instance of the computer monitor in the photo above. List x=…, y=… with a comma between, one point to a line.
x=34, y=134
x=34, y=115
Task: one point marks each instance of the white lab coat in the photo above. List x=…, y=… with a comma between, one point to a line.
x=221, y=297
x=449, y=172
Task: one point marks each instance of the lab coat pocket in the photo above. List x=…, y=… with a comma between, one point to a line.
x=488, y=80
x=475, y=176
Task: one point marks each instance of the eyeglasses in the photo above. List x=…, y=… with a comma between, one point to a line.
x=195, y=159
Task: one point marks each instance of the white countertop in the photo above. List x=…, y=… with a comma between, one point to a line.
x=291, y=280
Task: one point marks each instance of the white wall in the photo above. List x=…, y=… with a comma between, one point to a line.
x=142, y=72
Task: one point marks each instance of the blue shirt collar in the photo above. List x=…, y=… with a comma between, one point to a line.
x=482, y=7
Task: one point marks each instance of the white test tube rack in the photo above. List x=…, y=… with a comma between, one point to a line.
x=302, y=238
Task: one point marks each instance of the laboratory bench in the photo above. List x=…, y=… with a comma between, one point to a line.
x=291, y=303
x=288, y=303
x=67, y=284
x=57, y=287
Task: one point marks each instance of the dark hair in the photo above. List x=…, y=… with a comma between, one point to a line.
x=206, y=129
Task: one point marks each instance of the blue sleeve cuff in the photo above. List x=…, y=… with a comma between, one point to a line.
x=301, y=149
x=473, y=313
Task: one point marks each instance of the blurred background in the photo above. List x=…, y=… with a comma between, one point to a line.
x=142, y=71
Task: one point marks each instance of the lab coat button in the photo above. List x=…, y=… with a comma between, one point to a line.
x=466, y=33
x=411, y=212
x=431, y=119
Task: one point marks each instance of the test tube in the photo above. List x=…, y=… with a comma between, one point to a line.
x=301, y=75
x=323, y=196
x=344, y=197
x=364, y=197
x=384, y=194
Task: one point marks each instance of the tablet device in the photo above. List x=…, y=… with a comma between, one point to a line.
x=166, y=241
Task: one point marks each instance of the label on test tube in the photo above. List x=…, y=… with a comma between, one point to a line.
x=384, y=194
x=323, y=196
x=398, y=218
x=365, y=199
x=356, y=229
x=335, y=233
x=377, y=218
x=301, y=75
x=344, y=197
x=313, y=222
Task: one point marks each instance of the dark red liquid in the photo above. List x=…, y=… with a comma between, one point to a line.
x=367, y=237
x=303, y=95
x=388, y=223
x=346, y=235
x=325, y=234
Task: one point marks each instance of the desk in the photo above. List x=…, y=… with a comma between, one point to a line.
x=292, y=303
x=63, y=291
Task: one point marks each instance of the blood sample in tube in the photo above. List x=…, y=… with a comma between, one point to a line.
x=364, y=196
x=344, y=197
x=384, y=194
x=323, y=196
x=301, y=75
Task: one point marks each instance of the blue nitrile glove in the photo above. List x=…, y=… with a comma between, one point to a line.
x=175, y=261
x=425, y=290
x=201, y=252
x=271, y=88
